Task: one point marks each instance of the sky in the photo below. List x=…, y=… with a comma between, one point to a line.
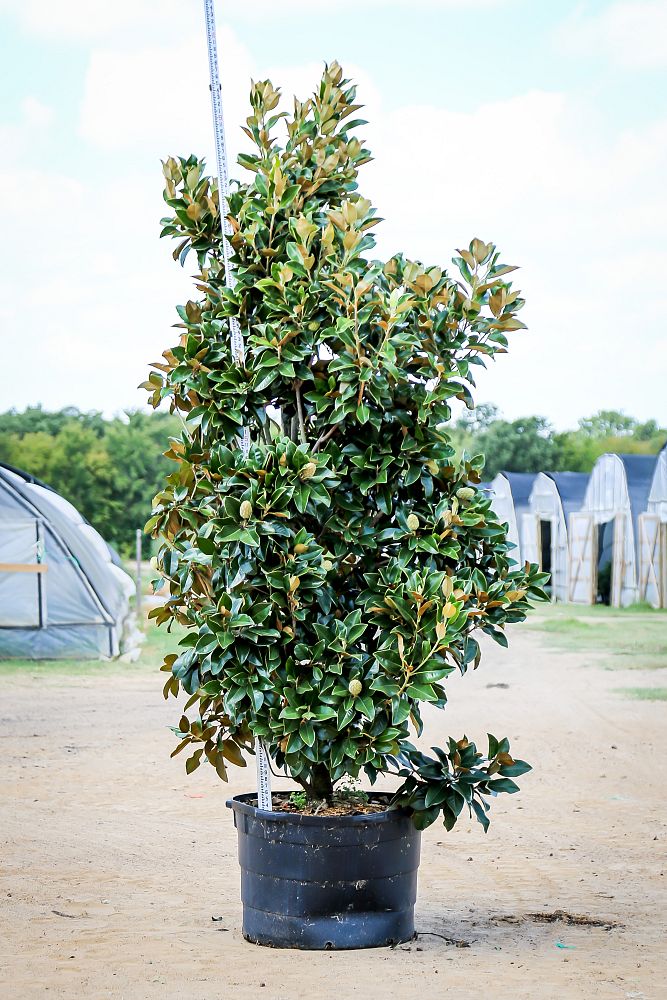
x=541, y=126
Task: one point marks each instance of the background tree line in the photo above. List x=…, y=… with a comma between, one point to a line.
x=111, y=469
x=530, y=444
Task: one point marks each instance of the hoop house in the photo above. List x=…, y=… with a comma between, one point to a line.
x=62, y=593
x=653, y=538
x=544, y=527
x=510, y=499
x=604, y=534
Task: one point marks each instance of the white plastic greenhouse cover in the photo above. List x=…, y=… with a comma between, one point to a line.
x=554, y=496
x=62, y=594
x=509, y=495
x=653, y=538
x=617, y=495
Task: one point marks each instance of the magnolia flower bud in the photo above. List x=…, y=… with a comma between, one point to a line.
x=449, y=610
x=245, y=510
x=412, y=522
x=300, y=548
x=327, y=565
x=354, y=687
x=282, y=460
x=447, y=586
x=465, y=493
x=308, y=470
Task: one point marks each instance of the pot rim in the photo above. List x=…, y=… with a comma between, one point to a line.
x=239, y=803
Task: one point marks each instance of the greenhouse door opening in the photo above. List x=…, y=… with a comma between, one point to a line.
x=611, y=564
x=605, y=562
x=545, y=539
x=538, y=540
x=546, y=545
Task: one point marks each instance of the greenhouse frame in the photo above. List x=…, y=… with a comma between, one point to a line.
x=63, y=593
x=544, y=527
x=510, y=499
x=604, y=535
x=653, y=538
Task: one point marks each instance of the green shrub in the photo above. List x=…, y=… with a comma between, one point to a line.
x=331, y=580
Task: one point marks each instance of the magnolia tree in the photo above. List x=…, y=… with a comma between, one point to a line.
x=330, y=581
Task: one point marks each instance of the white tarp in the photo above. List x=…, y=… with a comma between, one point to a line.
x=61, y=595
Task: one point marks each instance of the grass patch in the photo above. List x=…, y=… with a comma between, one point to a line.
x=157, y=644
x=602, y=611
x=645, y=694
x=629, y=638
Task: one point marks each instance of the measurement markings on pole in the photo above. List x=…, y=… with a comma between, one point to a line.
x=238, y=347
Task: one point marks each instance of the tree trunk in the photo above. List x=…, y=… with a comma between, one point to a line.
x=321, y=785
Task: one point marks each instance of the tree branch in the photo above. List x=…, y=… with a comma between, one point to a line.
x=324, y=437
x=299, y=410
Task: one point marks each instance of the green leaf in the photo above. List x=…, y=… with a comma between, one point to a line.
x=424, y=817
x=192, y=763
x=515, y=770
x=480, y=813
x=365, y=705
x=503, y=785
x=290, y=194
x=307, y=734
x=435, y=795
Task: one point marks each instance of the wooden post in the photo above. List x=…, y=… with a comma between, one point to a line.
x=138, y=574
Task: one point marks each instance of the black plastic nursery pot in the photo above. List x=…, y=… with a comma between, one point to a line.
x=319, y=882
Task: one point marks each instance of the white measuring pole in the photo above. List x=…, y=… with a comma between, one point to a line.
x=238, y=348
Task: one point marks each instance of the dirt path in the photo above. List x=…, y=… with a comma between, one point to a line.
x=112, y=862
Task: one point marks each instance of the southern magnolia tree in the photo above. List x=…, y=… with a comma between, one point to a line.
x=331, y=580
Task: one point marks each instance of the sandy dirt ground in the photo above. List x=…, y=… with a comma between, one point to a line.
x=113, y=863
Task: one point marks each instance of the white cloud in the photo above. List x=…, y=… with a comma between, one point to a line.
x=582, y=211
x=89, y=19
x=632, y=33
x=33, y=117
x=91, y=300
x=583, y=214
x=81, y=20
x=271, y=8
x=147, y=97
x=35, y=113
x=157, y=100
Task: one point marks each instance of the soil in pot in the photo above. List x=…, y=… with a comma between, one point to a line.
x=342, y=805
